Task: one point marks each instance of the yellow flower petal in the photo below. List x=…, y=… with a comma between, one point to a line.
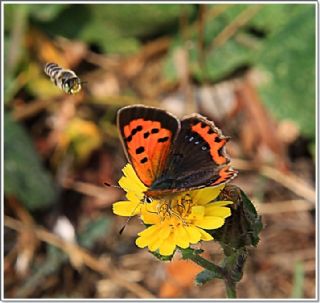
x=222, y=212
x=153, y=246
x=205, y=236
x=126, y=208
x=194, y=234
x=148, y=236
x=197, y=211
x=205, y=195
x=131, y=182
x=150, y=218
x=160, y=238
x=181, y=237
x=135, y=197
x=155, y=243
x=154, y=236
x=167, y=247
x=149, y=231
x=142, y=242
x=209, y=222
x=221, y=203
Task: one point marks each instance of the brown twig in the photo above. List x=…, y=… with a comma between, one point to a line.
x=281, y=207
x=91, y=190
x=28, y=110
x=79, y=256
x=31, y=109
x=288, y=180
x=27, y=242
x=235, y=25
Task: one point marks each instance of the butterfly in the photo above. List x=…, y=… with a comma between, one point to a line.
x=171, y=156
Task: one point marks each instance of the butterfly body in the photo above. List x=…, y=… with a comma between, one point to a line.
x=172, y=156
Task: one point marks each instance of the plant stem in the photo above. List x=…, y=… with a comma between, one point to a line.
x=230, y=289
x=190, y=254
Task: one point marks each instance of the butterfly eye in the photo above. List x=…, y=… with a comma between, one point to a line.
x=147, y=199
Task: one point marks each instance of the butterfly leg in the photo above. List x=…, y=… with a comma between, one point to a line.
x=164, y=210
x=171, y=208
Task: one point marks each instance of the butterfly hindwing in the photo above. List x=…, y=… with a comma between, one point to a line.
x=147, y=134
x=197, y=158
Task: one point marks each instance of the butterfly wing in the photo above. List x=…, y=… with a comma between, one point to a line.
x=147, y=134
x=197, y=159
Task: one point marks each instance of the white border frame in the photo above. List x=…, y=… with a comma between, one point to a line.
x=167, y=2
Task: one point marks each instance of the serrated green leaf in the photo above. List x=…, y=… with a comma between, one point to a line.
x=242, y=228
x=24, y=176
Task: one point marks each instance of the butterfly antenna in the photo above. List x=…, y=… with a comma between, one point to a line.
x=128, y=220
x=111, y=185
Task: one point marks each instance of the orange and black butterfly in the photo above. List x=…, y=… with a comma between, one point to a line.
x=169, y=155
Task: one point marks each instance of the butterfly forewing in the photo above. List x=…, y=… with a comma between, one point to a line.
x=147, y=134
x=197, y=158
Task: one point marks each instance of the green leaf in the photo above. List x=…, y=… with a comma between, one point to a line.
x=160, y=257
x=94, y=231
x=116, y=28
x=242, y=228
x=46, y=12
x=188, y=252
x=194, y=255
x=24, y=175
x=298, y=279
x=288, y=59
x=69, y=22
x=234, y=264
x=272, y=17
x=221, y=60
x=206, y=276
x=235, y=56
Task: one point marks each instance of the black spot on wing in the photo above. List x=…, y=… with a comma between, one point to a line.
x=164, y=139
x=135, y=130
x=154, y=130
x=140, y=150
x=220, y=151
x=144, y=160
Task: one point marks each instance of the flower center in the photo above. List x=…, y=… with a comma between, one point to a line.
x=179, y=208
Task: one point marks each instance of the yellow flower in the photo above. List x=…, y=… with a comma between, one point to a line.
x=175, y=222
